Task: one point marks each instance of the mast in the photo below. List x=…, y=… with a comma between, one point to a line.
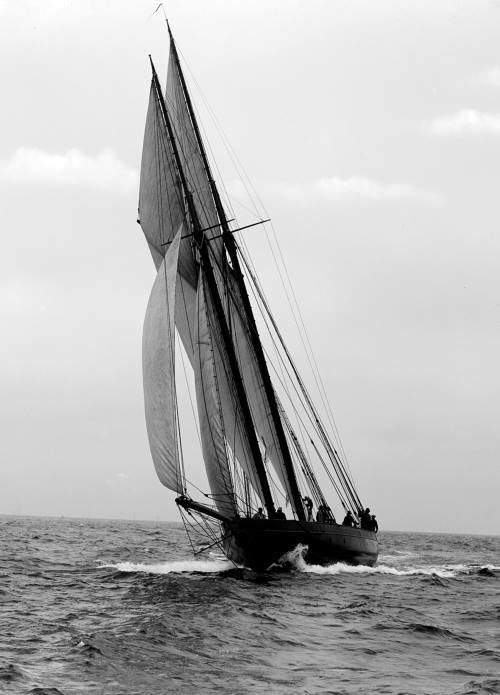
x=201, y=242
x=231, y=247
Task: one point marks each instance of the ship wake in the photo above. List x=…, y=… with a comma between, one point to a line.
x=296, y=559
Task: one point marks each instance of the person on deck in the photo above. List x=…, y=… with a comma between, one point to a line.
x=308, y=504
x=320, y=514
x=365, y=519
x=259, y=514
x=280, y=514
x=373, y=524
x=349, y=520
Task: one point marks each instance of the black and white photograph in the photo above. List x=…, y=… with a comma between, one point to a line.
x=250, y=354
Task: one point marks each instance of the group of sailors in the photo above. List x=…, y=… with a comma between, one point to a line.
x=278, y=514
x=367, y=521
x=324, y=515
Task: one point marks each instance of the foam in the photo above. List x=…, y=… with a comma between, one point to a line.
x=174, y=567
x=296, y=559
x=341, y=568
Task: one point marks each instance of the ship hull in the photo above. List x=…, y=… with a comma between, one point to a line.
x=258, y=543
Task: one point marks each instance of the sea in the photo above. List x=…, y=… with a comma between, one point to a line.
x=125, y=608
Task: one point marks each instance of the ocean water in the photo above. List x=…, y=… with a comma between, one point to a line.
x=123, y=608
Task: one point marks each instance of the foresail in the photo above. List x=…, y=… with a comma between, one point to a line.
x=158, y=365
x=209, y=410
x=235, y=432
x=161, y=207
x=255, y=389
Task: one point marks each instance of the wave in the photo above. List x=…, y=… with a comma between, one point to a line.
x=296, y=558
x=174, y=567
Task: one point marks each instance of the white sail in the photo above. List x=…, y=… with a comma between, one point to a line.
x=158, y=366
x=234, y=424
x=161, y=211
x=234, y=429
x=192, y=162
x=254, y=388
x=210, y=411
x=161, y=207
x=189, y=150
x=185, y=315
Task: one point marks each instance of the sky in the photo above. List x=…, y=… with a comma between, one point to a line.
x=371, y=132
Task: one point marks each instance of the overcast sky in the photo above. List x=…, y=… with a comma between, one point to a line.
x=371, y=131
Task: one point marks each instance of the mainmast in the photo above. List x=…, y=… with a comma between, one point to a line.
x=202, y=245
x=231, y=247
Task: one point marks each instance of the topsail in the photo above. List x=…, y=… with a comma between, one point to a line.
x=161, y=208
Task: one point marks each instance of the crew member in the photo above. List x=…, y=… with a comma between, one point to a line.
x=308, y=503
x=280, y=514
x=349, y=520
x=259, y=514
x=365, y=519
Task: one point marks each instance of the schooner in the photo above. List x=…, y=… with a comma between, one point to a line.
x=254, y=457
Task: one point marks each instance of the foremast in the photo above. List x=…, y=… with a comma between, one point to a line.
x=231, y=247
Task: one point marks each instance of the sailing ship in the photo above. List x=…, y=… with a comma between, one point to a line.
x=256, y=460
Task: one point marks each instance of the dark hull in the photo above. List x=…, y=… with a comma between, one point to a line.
x=258, y=543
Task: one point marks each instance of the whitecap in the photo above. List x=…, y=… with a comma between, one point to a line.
x=174, y=567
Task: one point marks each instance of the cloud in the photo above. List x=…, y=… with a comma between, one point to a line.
x=337, y=189
x=103, y=171
x=357, y=187
x=467, y=121
x=491, y=77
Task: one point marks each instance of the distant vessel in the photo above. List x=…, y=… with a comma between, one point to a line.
x=254, y=457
